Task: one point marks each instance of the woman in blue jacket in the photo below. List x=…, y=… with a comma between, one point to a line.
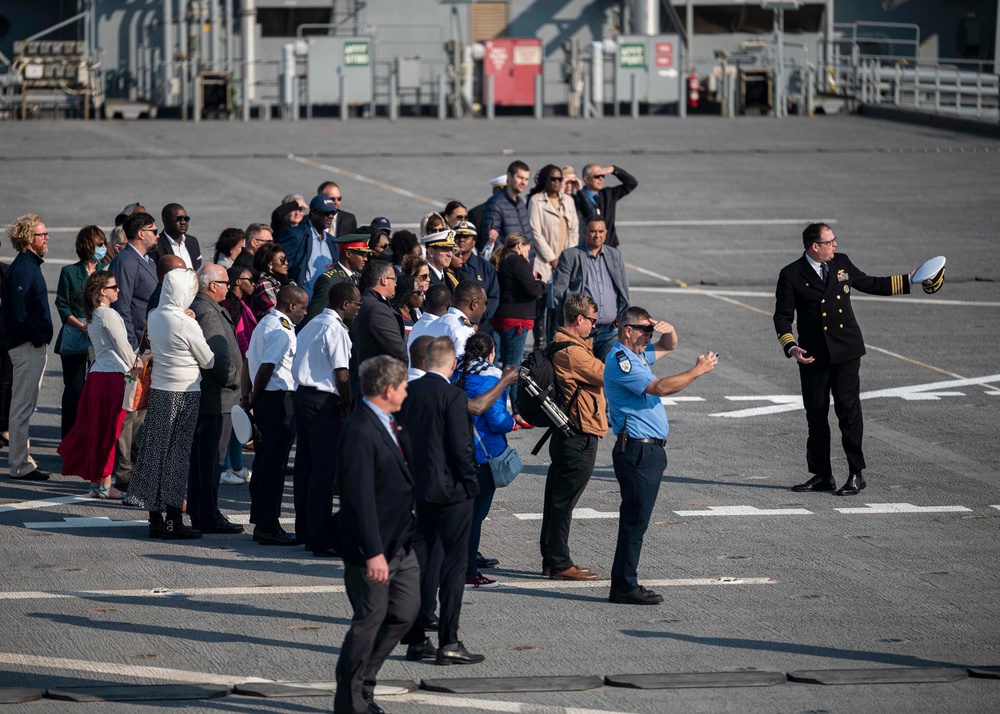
x=478, y=374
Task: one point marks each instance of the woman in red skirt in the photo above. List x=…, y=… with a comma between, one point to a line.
x=88, y=451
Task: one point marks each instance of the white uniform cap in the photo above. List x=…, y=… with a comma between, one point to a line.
x=499, y=181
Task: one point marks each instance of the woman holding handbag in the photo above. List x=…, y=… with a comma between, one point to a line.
x=72, y=345
x=88, y=451
x=478, y=374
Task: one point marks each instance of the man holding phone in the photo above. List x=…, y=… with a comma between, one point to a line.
x=640, y=421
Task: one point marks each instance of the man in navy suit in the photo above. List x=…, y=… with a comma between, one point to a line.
x=309, y=248
x=437, y=416
x=135, y=273
x=374, y=528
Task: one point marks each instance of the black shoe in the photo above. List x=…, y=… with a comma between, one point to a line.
x=421, y=650
x=482, y=562
x=855, y=485
x=432, y=625
x=36, y=475
x=817, y=483
x=174, y=529
x=279, y=538
x=455, y=653
x=155, y=525
x=374, y=708
x=639, y=596
x=224, y=526
x=329, y=553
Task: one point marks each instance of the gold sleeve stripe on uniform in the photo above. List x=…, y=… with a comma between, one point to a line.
x=786, y=339
x=897, y=284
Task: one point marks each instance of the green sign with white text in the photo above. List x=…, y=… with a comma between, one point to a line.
x=632, y=55
x=357, y=54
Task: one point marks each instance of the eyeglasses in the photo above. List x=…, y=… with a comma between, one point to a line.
x=41, y=235
x=460, y=216
x=353, y=302
x=597, y=176
x=239, y=280
x=648, y=329
x=556, y=179
x=335, y=198
x=219, y=282
x=110, y=287
x=825, y=242
x=182, y=219
x=149, y=230
x=282, y=260
x=593, y=320
x=390, y=277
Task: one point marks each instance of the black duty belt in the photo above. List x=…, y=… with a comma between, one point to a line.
x=658, y=442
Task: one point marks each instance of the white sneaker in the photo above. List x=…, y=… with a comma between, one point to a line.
x=243, y=473
x=230, y=478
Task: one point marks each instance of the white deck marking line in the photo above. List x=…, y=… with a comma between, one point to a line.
x=882, y=508
x=365, y=179
x=467, y=703
x=746, y=511
x=578, y=513
x=122, y=669
x=674, y=401
x=43, y=503
x=511, y=583
x=770, y=296
x=692, y=222
x=996, y=507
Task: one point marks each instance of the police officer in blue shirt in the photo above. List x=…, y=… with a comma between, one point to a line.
x=640, y=421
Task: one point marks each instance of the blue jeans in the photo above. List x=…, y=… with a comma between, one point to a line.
x=480, y=509
x=234, y=454
x=604, y=340
x=512, y=352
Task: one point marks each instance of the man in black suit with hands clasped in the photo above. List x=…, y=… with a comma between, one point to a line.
x=437, y=416
x=374, y=528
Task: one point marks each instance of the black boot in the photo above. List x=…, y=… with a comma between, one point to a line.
x=155, y=524
x=174, y=528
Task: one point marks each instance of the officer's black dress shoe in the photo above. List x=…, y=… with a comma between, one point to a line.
x=36, y=475
x=277, y=538
x=484, y=562
x=223, y=525
x=421, y=650
x=817, y=483
x=432, y=625
x=639, y=596
x=855, y=484
x=455, y=653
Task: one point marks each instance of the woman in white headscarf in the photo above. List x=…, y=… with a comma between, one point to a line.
x=180, y=352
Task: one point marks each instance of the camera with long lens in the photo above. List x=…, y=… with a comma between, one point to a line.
x=549, y=405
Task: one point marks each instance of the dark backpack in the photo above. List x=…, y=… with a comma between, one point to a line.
x=539, y=365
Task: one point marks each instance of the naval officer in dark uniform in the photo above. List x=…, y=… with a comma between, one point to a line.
x=817, y=287
x=640, y=421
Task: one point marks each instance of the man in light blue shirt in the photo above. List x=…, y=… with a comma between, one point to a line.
x=640, y=421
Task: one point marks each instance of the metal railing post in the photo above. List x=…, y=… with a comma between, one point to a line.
x=979, y=92
x=442, y=98
x=897, y=94
x=958, y=90
x=538, y=96
x=246, y=100
x=633, y=88
x=585, y=99
x=342, y=84
x=393, y=108
x=490, y=107
x=916, y=86
x=937, y=88
x=196, y=111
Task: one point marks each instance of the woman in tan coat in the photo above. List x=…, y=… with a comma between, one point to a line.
x=555, y=226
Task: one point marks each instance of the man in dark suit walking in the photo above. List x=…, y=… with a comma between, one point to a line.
x=174, y=239
x=378, y=329
x=436, y=416
x=374, y=528
x=135, y=274
x=817, y=287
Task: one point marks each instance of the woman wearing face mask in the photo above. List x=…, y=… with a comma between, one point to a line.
x=88, y=451
x=72, y=344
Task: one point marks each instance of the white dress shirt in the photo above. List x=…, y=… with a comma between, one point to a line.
x=326, y=346
x=181, y=250
x=453, y=324
x=273, y=342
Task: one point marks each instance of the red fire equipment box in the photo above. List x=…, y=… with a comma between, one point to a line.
x=513, y=64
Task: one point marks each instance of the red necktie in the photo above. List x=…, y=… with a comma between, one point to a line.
x=395, y=436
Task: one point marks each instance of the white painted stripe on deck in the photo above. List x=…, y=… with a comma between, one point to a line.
x=882, y=508
x=538, y=583
x=770, y=295
x=468, y=704
x=43, y=503
x=746, y=511
x=695, y=222
x=674, y=401
x=578, y=513
x=121, y=669
x=365, y=179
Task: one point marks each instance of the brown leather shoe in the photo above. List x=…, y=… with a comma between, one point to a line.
x=575, y=573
